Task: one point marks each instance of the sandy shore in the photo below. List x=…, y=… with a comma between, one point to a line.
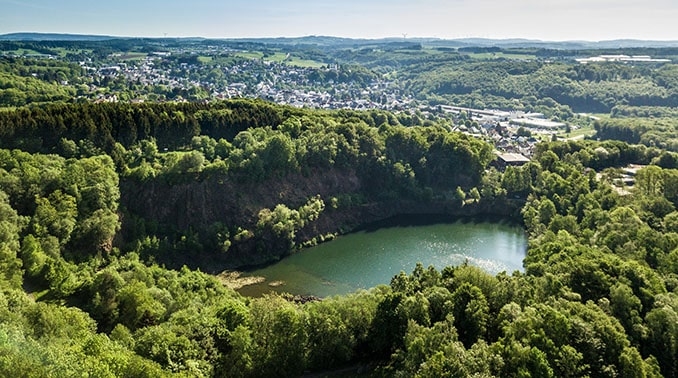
x=235, y=280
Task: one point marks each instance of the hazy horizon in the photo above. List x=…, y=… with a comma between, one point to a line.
x=546, y=20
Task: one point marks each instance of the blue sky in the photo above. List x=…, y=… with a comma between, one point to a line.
x=537, y=19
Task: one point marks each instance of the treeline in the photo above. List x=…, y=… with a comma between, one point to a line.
x=172, y=125
x=101, y=49
x=242, y=134
x=385, y=61
x=655, y=132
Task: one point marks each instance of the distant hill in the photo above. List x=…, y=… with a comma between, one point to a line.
x=358, y=42
x=559, y=45
x=53, y=37
x=461, y=42
x=624, y=43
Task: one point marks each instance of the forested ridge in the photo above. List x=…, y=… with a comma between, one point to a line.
x=555, y=88
x=219, y=165
x=86, y=289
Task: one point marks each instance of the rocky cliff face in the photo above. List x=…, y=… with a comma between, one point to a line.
x=196, y=206
x=199, y=204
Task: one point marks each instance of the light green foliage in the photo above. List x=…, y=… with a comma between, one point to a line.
x=421, y=345
x=279, y=337
x=416, y=309
x=547, y=210
x=627, y=308
x=282, y=221
x=649, y=181
x=517, y=181
x=174, y=352
x=10, y=225
x=97, y=183
x=338, y=327
x=51, y=321
x=190, y=162
x=206, y=145
x=138, y=306
x=662, y=337
x=33, y=256
x=237, y=360
x=281, y=224
x=459, y=194
x=20, y=90
x=56, y=216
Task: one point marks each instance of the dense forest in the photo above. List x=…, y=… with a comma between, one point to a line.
x=343, y=159
x=83, y=291
x=115, y=217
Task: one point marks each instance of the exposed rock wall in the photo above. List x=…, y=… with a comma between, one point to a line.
x=197, y=205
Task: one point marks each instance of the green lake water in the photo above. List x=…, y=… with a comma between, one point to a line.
x=370, y=257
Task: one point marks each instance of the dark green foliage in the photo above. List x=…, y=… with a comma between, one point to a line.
x=41, y=129
x=389, y=326
x=597, y=298
x=651, y=132
x=470, y=313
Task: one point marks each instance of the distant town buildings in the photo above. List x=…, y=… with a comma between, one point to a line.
x=181, y=76
x=538, y=123
x=622, y=58
x=250, y=78
x=506, y=159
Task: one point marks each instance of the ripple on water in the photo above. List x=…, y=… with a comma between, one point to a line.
x=369, y=258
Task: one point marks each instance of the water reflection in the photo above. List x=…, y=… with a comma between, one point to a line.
x=373, y=256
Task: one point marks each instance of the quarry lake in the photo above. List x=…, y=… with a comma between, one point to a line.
x=372, y=256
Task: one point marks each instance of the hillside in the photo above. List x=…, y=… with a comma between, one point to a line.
x=53, y=37
x=115, y=213
x=348, y=42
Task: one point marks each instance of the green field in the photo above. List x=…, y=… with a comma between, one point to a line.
x=304, y=63
x=294, y=61
x=20, y=52
x=133, y=56
x=580, y=132
x=250, y=54
x=62, y=52
x=278, y=57
x=501, y=55
x=281, y=57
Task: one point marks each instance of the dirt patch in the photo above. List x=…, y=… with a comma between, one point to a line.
x=235, y=280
